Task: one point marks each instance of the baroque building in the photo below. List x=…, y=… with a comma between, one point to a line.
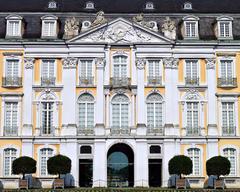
x=120, y=88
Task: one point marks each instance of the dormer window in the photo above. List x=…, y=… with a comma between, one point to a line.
x=190, y=28
x=187, y=6
x=14, y=26
x=52, y=5
x=224, y=27
x=149, y=5
x=89, y=5
x=49, y=26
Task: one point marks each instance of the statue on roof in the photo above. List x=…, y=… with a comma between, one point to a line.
x=100, y=19
x=169, y=28
x=71, y=28
x=139, y=19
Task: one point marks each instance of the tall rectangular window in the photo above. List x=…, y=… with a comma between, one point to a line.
x=120, y=66
x=226, y=69
x=9, y=156
x=11, y=118
x=12, y=67
x=191, y=72
x=190, y=29
x=228, y=118
x=48, y=76
x=86, y=74
x=231, y=154
x=45, y=154
x=13, y=28
x=194, y=155
x=47, y=117
x=192, y=118
x=49, y=29
x=154, y=72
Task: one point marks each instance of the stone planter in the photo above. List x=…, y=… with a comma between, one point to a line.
x=219, y=184
x=23, y=184
x=58, y=183
x=181, y=184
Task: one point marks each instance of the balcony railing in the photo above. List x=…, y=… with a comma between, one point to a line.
x=120, y=130
x=193, y=131
x=47, y=131
x=120, y=82
x=10, y=130
x=85, y=81
x=12, y=81
x=85, y=131
x=48, y=81
x=191, y=81
x=155, y=130
x=155, y=80
x=227, y=82
x=229, y=131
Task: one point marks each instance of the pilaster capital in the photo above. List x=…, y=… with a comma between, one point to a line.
x=170, y=63
x=100, y=62
x=70, y=63
x=140, y=63
x=29, y=62
x=211, y=63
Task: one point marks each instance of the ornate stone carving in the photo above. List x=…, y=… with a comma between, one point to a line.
x=29, y=63
x=100, y=62
x=148, y=24
x=140, y=63
x=70, y=63
x=120, y=91
x=170, y=63
x=71, y=28
x=192, y=94
x=100, y=19
x=169, y=28
x=211, y=63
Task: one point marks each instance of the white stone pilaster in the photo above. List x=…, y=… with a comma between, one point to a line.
x=134, y=75
x=211, y=78
x=27, y=147
x=107, y=111
x=107, y=66
x=28, y=96
x=69, y=96
x=99, y=118
x=100, y=164
x=212, y=148
x=133, y=112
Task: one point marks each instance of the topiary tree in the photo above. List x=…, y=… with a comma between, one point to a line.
x=24, y=165
x=180, y=164
x=218, y=166
x=59, y=164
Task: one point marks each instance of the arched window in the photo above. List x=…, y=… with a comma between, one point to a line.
x=45, y=154
x=154, y=111
x=231, y=154
x=10, y=154
x=86, y=111
x=120, y=106
x=120, y=66
x=194, y=154
x=47, y=117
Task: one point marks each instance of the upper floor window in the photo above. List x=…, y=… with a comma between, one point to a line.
x=11, y=119
x=86, y=111
x=149, y=5
x=224, y=25
x=192, y=118
x=195, y=155
x=231, y=154
x=227, y=75
x=86, y=72
x=48, y=72
x=190, y=27
x=9, y=155
x=45, y=154
x=47, y=118
x=154, y=72
x=14, y=26
x=187, y=6
x=89, y=5
x=120, y=66
x=191, y=73
x=49, y=26
x=228, y=118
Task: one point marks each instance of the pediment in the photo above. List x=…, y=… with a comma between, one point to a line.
x=120, y=31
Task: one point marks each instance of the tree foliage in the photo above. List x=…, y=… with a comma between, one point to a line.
x=218, y=166
x=179, y=165
x=59, y=164
x=24, y=165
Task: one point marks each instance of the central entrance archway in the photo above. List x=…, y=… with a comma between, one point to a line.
x=120, y=166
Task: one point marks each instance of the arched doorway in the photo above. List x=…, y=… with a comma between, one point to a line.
x=120, y=166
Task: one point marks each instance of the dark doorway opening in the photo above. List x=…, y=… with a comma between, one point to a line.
x=120, y=166
x=155, y=172
x=85, y=172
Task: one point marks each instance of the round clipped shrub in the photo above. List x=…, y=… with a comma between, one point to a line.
x=180, y=164
x=218, y=166
x=59, y=164
x=24, y=165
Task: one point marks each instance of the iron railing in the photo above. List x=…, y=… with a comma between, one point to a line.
x=229, y=131
x=85, y=131
x=47, y=131
x=12, y=81
x=86, y=81
x=48, y=81
x=193, y=131
x=120, y=81
x=155, y=80
x=227, y=82
x=120, y=130
x=155, y=130
x=191, y=81
x=10, y=130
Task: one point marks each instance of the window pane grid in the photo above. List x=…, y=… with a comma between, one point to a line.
x=194, y=155
x=9, y=156
x=231, y=155
x=45, y=154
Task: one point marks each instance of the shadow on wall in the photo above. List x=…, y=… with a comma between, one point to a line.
x=1, y=186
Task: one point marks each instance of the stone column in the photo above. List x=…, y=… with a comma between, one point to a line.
x=107, y=66
x=212, y=116
x=69, y=96
x=171, y=96
x=141, y=115
x=99, y=115
x=100, y=164
x=134, y=75
x=28, y=97
x=107, y=108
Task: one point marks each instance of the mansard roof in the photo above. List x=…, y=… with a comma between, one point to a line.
x=123, y=6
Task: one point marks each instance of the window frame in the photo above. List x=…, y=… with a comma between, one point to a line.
x=194, y=20
x=39, y=163
x=54, y=68
x=227, y=58
x=3, y=162
x=228, y=20
x=49, y=18
x=17, y=58
x=200, y=160
x=14, y=18
x=198, y=69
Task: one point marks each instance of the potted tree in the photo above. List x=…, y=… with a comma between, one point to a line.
x=57, y=165
x=218, y=166
x=180, y=165
x=23, y=165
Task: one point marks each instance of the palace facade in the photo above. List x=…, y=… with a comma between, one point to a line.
x=120, y=88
